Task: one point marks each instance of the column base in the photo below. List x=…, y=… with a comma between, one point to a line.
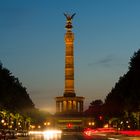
x=69, y=94
x=69, y=105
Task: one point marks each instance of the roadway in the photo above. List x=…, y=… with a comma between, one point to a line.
x=80, y=136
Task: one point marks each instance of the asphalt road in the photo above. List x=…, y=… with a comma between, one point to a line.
x=79, y=136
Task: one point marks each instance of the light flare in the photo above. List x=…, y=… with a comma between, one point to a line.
x=48, y=134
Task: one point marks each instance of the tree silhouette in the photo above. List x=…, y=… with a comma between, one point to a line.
x=15, y=99
x=13, y=96
x=125, y=96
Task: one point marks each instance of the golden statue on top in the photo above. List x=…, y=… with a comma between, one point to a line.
x=69, y=20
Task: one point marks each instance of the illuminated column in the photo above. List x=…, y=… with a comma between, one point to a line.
x=74, y=105
x=69, y=58
x=64, y=105
x=60, y=106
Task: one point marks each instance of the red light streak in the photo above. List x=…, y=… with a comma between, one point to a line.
x=130, y=133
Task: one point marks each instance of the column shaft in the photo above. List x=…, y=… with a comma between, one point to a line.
x=69, y=64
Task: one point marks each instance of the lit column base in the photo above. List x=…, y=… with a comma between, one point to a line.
x=69, y=105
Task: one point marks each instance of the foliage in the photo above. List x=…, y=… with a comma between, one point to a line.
x=13, y=121
x=15, y=100
x=125, y=96
x=94, y=108
x=13, y=96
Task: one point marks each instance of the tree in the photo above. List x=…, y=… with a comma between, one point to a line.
x=95, y=111
x=13, y=96
x=125, y=96
x=95, y=108
x=16, y=106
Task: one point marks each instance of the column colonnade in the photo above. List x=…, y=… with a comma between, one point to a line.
x=69, y=105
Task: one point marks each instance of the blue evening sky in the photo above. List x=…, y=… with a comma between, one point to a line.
x=107, y=33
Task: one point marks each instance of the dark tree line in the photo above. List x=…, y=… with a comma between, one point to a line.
x=15, y=99
x=13, y=96
x=123, y=101
x=125, y=96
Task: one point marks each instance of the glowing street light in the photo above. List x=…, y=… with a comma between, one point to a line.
x=91, y=123
x=2, y=121
x=48, y=123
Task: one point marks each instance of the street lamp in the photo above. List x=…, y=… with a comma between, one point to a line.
x=2, y=121
x=48, y=123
